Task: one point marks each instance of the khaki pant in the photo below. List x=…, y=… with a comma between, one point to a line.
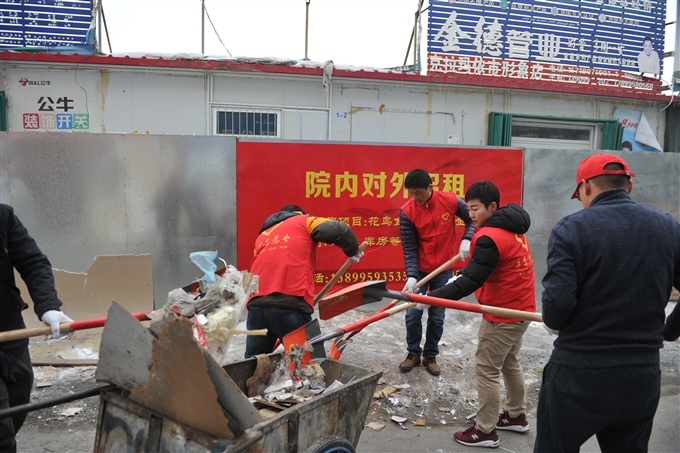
x=498, y=353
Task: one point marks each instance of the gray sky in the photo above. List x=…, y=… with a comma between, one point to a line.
x=373, y=33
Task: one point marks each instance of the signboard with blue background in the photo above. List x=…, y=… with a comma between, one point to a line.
x=64, y=26
x=623, y=35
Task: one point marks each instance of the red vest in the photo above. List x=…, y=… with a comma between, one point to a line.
x=435, y=222
x=285, y=259
x=511, y=283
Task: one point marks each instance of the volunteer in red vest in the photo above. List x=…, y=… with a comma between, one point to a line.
x=285, y=261
x=427, y=223
x=501, y=274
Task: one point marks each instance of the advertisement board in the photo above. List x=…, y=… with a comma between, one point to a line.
x=56, y=102
x=361, y=185
x=606, y=44
x=64, y=26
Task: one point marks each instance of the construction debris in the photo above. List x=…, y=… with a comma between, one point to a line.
x=215, y=312
x=171, y=375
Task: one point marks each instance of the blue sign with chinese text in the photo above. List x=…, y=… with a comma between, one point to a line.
x=623, y=35
x=64, y=26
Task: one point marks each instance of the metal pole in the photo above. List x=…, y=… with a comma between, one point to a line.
x=24, y=408
x=675, y=83
x=99, y=28
x=307, y=2
x=202, y=27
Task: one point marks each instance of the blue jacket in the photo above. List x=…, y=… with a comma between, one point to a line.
x=610, y=271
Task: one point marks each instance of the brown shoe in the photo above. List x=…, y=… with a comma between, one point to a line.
x=430, y=363
x=411, y=361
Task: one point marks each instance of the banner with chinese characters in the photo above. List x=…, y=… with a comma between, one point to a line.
x=604, y=44
x=64, y=26
x=56, y=102
x=361, y=185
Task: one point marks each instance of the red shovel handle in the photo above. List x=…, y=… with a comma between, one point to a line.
x=63, y=328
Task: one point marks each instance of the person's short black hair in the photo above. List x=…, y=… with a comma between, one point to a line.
x=293, y=208
x=610, y=182
x=647, y=38
x=627, y=144
x=417, y=179
x=484, y=191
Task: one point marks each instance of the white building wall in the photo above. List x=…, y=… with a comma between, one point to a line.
x=177, y=101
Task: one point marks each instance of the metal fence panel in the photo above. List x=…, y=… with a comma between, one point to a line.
x=550, y=179
x=82, y=195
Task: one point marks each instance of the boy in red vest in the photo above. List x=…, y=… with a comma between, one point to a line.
x=428, y=237
x=500, y=273
x=285, y=260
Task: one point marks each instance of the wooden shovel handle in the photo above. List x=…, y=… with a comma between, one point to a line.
x=63, y=328
x=338, y=274
x=421, y=282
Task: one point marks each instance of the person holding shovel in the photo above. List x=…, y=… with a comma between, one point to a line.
x=427, y=226
x=19, y=251
x=285, y=260
x=611, y=267
x=501, y=274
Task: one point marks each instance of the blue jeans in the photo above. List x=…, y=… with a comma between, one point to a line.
x=278, y=321
x=435, y=319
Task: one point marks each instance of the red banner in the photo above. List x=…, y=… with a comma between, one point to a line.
x=361, y=185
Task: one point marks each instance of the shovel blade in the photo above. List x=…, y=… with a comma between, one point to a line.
x=299, y=338
x=351, y=297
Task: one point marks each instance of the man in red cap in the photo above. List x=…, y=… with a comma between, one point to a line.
x=610, y=271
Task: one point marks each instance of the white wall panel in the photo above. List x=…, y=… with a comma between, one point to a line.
x=154, y=103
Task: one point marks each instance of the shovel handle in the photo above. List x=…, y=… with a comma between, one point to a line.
x=424, y=280
x=63, y=328
x=338, y=274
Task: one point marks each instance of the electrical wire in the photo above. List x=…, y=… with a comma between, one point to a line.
x=213, y=26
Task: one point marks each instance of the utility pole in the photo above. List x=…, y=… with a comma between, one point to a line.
x=675, y=83
x=307, y=2
x=202, y=27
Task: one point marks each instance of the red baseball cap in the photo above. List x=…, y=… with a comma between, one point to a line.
x=593, y=166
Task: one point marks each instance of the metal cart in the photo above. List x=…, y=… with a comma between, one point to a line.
x=327, y=423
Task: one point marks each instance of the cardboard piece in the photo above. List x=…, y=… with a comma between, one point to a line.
x=125, y=351
x=127, y=279
x=179, y=385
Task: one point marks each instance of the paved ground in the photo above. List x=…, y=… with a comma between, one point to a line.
x=380, y=347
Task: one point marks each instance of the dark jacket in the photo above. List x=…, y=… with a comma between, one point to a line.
x=485, y=255
x=610, y=272
x=19, y=251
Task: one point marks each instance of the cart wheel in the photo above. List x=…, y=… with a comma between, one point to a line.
x=331, y=445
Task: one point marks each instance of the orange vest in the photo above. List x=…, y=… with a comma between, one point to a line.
x=511, y=284
x=285, y=260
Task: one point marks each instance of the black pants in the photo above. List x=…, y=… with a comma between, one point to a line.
x=617, y=404
x=279, y=322
x=15, y=390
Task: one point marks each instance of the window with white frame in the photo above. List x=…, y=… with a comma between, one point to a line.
x=246, y=122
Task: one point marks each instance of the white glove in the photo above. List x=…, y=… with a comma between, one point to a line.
x=53, y=318
x=551, y=331
x=421, y=307
x=464, y=250
x=357, y=257
x=410, y=283
x=453, y=279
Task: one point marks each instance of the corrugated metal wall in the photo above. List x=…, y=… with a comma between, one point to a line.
x=550, y=179
x=672, y=139
x=82, y=195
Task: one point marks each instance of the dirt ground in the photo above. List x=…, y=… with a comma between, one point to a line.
x=442, y=401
